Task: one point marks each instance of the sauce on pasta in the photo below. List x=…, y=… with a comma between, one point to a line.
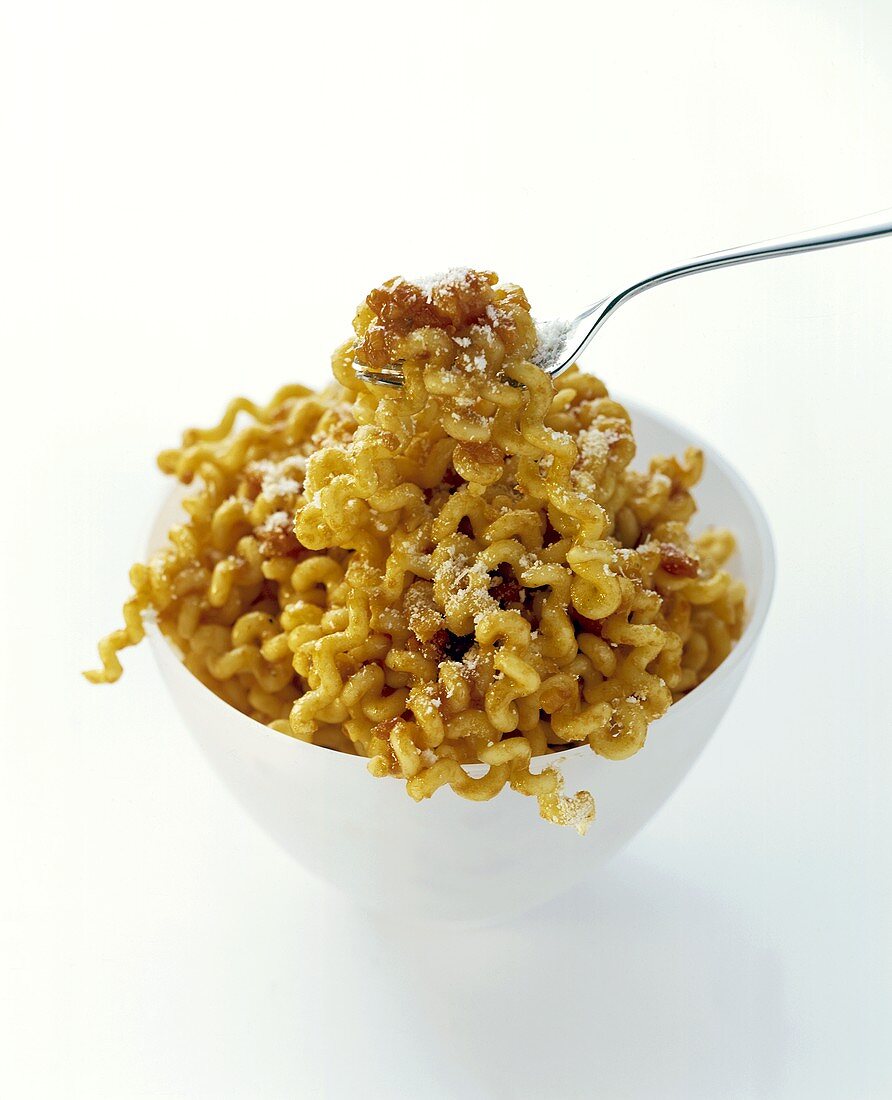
x=464, y=570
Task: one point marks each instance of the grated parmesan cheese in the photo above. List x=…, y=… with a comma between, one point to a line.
x=274, y=522
x=552, y=339
x=427, y=284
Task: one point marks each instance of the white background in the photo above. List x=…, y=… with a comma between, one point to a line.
x=193, y=198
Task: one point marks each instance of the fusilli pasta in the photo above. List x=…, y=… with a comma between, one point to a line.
x=464, y=570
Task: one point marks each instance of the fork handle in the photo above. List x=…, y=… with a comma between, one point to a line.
x=826, y=236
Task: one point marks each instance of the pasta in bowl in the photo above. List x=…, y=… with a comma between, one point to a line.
x=462, y=582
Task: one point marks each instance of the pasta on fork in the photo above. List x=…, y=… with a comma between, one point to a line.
x=461, y=570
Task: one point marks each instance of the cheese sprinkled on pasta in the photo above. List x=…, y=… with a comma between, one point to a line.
x=464, y=570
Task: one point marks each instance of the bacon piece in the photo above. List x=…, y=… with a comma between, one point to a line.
x=505, y=593
x=400, y=307
x=280, y=542
x=676, y=562
x=451, y=647
x=589, y=626
x=508, y=590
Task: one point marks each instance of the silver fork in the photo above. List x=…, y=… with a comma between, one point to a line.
x=571, y=338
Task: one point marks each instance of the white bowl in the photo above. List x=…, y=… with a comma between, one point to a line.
x=447, y=858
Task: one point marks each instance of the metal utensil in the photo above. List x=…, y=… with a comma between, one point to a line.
x=569, y=339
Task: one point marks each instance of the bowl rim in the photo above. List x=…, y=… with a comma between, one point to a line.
x=739, y=654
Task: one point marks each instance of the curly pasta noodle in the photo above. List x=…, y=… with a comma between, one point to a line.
x=461, y=571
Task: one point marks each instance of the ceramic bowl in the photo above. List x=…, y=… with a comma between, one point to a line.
x=447, y=859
